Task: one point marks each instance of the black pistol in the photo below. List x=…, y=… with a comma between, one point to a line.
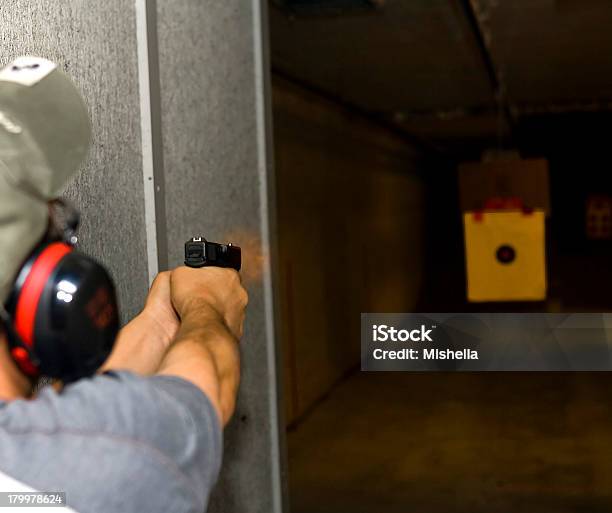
x=201, y=253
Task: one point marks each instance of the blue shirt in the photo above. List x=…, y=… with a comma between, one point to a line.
x=116, y=442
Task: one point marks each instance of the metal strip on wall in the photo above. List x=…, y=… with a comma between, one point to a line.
x=152, y=148
x=267, y=220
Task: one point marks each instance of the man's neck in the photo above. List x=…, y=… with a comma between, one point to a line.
x=13, y=384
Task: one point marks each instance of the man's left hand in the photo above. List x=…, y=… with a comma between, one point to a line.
x=158, y=307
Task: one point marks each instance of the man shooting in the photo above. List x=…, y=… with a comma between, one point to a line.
x=144, y=433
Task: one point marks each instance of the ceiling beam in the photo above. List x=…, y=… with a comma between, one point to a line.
x=477, y=20
x=426, y=147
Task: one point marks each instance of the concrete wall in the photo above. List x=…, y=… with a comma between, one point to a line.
x=177, y=96
x=96, y=46
x=350, y=219
x=216, y=180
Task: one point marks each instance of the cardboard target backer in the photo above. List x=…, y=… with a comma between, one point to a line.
x=522, y=178
x=505, y=255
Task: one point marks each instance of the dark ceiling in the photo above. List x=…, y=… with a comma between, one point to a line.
x=434, y=67
x=552, y=52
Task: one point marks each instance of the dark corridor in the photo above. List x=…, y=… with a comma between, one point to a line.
x=377, y=106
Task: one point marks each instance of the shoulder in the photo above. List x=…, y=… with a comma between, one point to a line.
x=166, y=420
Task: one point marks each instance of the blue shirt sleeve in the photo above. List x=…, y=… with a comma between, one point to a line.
x=164, y=419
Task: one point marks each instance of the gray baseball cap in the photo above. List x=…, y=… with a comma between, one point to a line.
x=44, y=137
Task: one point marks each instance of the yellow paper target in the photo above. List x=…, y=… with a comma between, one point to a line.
x=505, y=255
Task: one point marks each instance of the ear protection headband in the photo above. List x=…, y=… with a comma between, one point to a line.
x=61, y=317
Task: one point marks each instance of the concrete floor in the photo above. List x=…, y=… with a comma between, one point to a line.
x=399, y=442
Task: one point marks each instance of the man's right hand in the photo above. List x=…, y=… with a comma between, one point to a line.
x=211, y=303
x=210, y=287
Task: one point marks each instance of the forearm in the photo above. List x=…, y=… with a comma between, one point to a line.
x=140, y=346
x=205, y=353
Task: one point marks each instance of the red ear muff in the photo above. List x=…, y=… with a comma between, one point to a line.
x=32, y=289
x=62, y=315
